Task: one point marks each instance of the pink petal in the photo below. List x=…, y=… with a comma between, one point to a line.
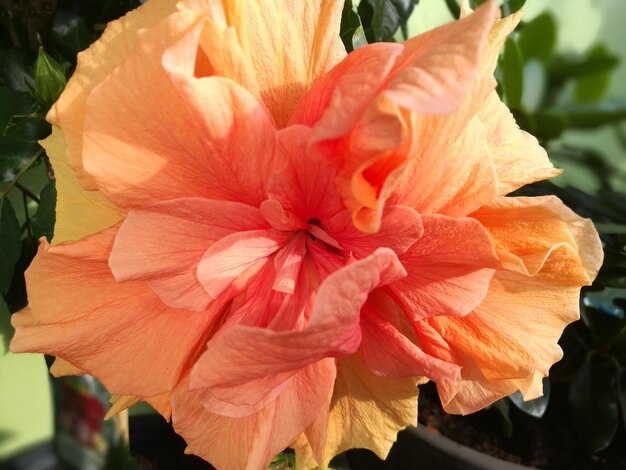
x=225, y=260
x=400, y=228
x=449, y=268
x=186, y=228
x=305, y=185
x=287, y=262
x=389, y=353
x=242, y=365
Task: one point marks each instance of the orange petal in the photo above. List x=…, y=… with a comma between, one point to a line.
x=509, y=342
x=449, y=268
x=366, y=412
x=93, y=66
x=253, y=441
x=526, y=232
x=79, y=212
x=222, y=151
x=101, y=318
x=274, y=49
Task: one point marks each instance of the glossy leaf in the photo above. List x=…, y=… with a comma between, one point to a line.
x=71, y=33
x=10, y=235
x=537, y=39
x=16, y=67
x=49, y=79
x=16, y=297
x=536, y=407
x=594, y=404
x=382, y=18
x=42, y=222
x=352, y=33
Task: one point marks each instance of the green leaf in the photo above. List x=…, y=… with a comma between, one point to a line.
x=71, y=33
x=596, y=60
x=21, y=126
x=10, y=235
x=16, y=67
x=593, y=402
x=49, y=79
x=502, y=407
x=537, y=38
x=536, y=407
x=512, y=74
x=621, y=388
x=587, y=115
x=352, y=33
x=511, y=6
x=382, y=18
x=454, y=8
x=593, y=87
x=16, y=297
x=42, y=222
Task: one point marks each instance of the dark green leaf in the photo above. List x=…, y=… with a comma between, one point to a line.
x=587, y=115
x=6, y=330
x=119, y=458
x=71, y=33
x=16, y=297
x=537, y=38
x=536, y=407
x=382, y=18
x=16, y=67
x=512, y=74
x=352, y=33
x=502, y=408
x=597, y=60
x=10, y=236
x=42, y=222
x=20, y=129
x=593, y=401
x=455, y=9
x=49, y=79
x=511, y=6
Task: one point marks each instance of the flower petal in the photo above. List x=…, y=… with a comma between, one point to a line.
x=79, y=212
x=400, y=228
x=194, y=150
x=101, y=318
x=273, y=48
x=242, y=364
x=225, y=260
x=449, y=268
x=305, y=186
x=186, y=228
x=253, y=441
x=367, y=411
x=93, y=66
x=526, y=231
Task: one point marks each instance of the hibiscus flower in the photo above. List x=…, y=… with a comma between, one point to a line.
x=273, y=242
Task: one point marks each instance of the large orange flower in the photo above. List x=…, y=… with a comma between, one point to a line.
x=273, y=242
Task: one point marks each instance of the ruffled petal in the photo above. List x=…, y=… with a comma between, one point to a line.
x=242, y=365
x=79, y=212
x=366, y=411
x=101, y=318
x=186, y=229
x=252, y=442
x=449, y=268
x=273, y=48
x=93, y=66
x=201, y=149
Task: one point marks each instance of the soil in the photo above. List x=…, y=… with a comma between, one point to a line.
x=546, y=443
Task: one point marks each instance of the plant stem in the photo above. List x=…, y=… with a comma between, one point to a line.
x=27, y=192
x=20, y=173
